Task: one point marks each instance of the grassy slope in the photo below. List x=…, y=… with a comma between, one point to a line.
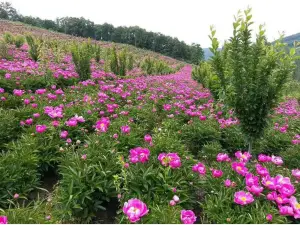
x=21, y=28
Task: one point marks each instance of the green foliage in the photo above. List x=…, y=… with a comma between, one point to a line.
x=219, y=206
x=34, y=47
x=97, y=52
x=11, y=102
x=4, y=51
x=19, y=41
x=291, y=156
x=118, y=62
x=18, y=172
x=199, y=133
x=153, y=66
x=251, y=75
x=8, y=38
x=86, y=184
x=114, y=64
x=81, y=56
x=9, y=127
x=130, y=62
x=35, y=212
x=122, y=63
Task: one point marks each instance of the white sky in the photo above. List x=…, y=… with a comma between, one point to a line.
x=189, y=20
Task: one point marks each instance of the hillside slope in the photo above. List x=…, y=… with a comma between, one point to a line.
x=21, y=28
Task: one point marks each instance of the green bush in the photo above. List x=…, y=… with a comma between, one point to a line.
x=232, y=139
x=86, y=185
x=210, y=150
x=81, y=57
x=18, y=172
x=199, y=133
x=34, y=47
x=4, y=51
x=10, y=128
x=11, y=102
x=34, y=83
x=8, y=84
x=291, y=156
x=19, y=41
x=8, y=38
x=36, y=212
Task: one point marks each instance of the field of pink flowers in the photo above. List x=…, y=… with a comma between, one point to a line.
x=137, y=149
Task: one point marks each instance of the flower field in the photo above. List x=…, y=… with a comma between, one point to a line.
x=138, y=148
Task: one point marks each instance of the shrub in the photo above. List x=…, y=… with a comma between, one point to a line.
x=252, y=75
x=18, y=171
x=34, y=47
x=4, y=51
x=10, y=128
x=19, y=41
x=34, y=83
x=291, y=156
x=8, y=38
x=87, y=184
x=130, y=62
x=81, y=57
x=11, y=102
x=232, y=139
x=154, y=184
x=36, y=212
x=199, y=133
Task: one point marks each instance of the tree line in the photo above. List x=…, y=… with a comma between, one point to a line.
x=135, y=35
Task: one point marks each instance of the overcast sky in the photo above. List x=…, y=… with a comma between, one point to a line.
x=189, y=20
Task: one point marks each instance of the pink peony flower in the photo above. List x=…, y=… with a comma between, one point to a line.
x=200, y=168
x=148, y=138
x=64, y=134
x=243, y=198
x=269, y=182
x=287, y=190
x=223, y=157
x=139, y=155
x=264, y=158
x=262, y=171
x=217, y=173
x=71, y=123
x=125, y=129
x=102, y=125
x=202, y=117
x=255, y=189
x=40, y=128
x=29, y=121
x=135, y=209
x=296, y=206
x=240, y=168
x=172, y=203
x=188, y=217
x=243, y=157
x=286, y=211
x=176, y=198
x=269, y=217
x=18, y=92
x=55, y=123
x=169, y=159
x=296, y=174
x=227, y=183
x=272, y=196
x=277, y=160
x=251, y=180
x=3, y=220
x=16, y=196
x=83, y=157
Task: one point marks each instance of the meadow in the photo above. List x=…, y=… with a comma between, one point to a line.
x=107, y=133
